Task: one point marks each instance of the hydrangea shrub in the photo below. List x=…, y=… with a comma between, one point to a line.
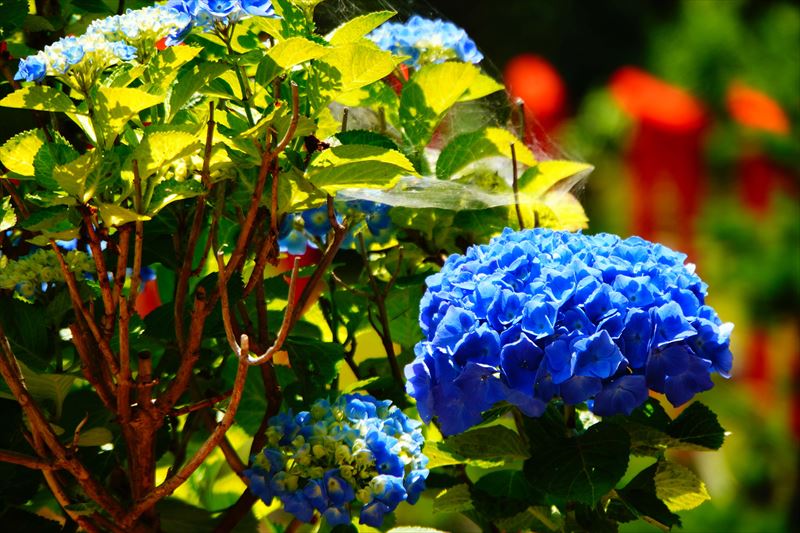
x=208, y=186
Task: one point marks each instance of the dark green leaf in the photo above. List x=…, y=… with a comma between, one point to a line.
x=369, y=138
x=315, y=365
x=488, y=444
x=503, y=494
x=470, y=147
x=14, y=13
x=581, y=468
x=698, y=425
x=93, y=6
x=28, y=333
x=189, y=83
x=455, y=499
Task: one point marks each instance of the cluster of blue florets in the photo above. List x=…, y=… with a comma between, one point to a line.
x=106, y=42
x=311, y=227
x=537, y=314
x=358, y=451
x=426, y=41
x=209, y=14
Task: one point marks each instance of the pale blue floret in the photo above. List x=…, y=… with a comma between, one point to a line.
x=425, y=40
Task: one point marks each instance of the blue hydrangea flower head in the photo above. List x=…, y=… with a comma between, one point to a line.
x=538, y=314
x=356, y=452
x=426, y=41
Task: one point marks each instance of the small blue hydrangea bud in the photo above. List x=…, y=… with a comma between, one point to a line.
x=32, y=68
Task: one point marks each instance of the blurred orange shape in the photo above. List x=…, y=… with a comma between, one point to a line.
x=755, y=109
x=534, y=81
x=649, y=99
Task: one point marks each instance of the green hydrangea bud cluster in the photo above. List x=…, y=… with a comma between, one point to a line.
x=28, y=274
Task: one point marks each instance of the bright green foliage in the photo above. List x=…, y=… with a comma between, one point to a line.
x=18, y=153
x=39, y=98
x=470, y=147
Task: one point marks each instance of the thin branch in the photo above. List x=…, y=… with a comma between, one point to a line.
x=266, y=164
x=208, y=402
x=190, y=354
x=286, y=324
x=89, y=366
x=515, y=185
x=35, y=463
x=284, y=142
x=379, y=297
x=40, y=426
x=102, y=272
x=186, y=270
x=123, y=248
x=15, y=197
x=172, y=483
x=80, y=310
x=339, y=233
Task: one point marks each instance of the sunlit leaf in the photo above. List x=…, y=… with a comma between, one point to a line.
x=358, y=27
x=18, y=153
x=678, y=487
x=39, y=98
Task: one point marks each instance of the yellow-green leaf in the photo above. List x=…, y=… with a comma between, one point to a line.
x=160, y=148
x=470, y=147
x=556, y=210
x=482, y=85
x=115, y=215
x=40, y=98
x=358, y=64
x=73, y=176
x=358, y=166
x=18, y=152
x=286, y=54
x=678, y=487
x=433, y=90
x=117, y=105
x=540, y=179
x=358, y=27
x=7, y=215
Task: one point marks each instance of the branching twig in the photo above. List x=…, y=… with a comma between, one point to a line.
x=80, y=310
x=41, y=427
x=35, y=463
x=286, y=324
x=379, y=297
x=102, y=272
x=172, y=483
x=208, y=402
